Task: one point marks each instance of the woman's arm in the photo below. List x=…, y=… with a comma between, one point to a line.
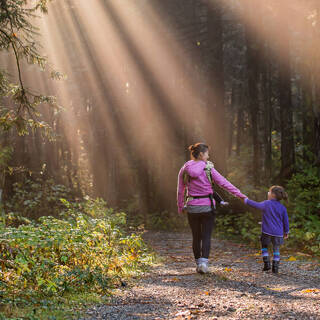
x=180, y=190
x=225, y=184
x=254, y=204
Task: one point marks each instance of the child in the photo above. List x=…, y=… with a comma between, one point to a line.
x=275, y=225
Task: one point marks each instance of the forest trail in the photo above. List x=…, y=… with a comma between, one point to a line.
x=235, y=288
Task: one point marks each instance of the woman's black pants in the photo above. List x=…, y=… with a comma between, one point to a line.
x=201, y=225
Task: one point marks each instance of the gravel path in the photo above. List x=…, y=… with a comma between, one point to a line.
x=236, y=288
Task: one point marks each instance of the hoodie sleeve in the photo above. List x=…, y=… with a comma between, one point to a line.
x=254, y=204
x=225, y=184
x=180, y=190
x=285, y=221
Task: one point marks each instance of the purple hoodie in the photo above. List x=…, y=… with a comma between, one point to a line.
x=275, y=220
x=199, y=184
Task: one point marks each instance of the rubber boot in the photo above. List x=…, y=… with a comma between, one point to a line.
x=275, y=266
x=267, y=265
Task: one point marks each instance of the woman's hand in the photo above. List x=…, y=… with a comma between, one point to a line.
x=182, y=211
x=244, y=198
x=286, y=236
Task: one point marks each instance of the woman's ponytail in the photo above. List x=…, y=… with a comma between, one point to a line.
x=195, y=149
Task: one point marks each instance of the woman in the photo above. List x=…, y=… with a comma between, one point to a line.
x=194, y=177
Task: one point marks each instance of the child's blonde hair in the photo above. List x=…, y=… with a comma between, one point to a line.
x=279, y=192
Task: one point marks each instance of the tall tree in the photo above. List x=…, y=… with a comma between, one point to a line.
x=253, y=102
x=267, y=114
x=317, y=79
x=285, y=95
x=216, y=126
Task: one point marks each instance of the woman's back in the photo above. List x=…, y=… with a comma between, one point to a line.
x=197, y=182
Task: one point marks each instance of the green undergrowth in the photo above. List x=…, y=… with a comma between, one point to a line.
x=303, y=188
x=68, y=306
x=85, y=254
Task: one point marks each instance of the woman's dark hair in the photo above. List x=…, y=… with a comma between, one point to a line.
x=195, y=149
x=279, y=192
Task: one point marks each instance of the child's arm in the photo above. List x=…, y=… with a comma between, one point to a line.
x=285, y=220
x=180, y=190
x=254, y=204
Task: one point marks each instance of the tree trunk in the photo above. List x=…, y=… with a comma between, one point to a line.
x=266, y=94
x=317, y=102
x=240, y=121
x=253, y=78
x=216, y=126
x=233, y=107
x=286, y=112
x=308, y=123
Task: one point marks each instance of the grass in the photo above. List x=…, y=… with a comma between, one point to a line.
x=70, y=306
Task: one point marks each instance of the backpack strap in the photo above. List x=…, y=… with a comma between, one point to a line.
x=186, y=179
x=207, y=169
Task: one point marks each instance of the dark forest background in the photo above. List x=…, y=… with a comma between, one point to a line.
x=242, y=78
x=99, y=101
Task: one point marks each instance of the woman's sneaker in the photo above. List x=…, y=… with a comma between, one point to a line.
x=198, y=263
x=203, y=268
x=202, y=265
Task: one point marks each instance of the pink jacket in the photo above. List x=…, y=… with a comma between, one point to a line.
x=199, y=184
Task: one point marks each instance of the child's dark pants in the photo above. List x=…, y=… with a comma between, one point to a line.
x=276, y=243
x=201, y=226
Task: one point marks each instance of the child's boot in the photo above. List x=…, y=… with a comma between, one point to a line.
x=267, y=265
x=276, y=259
x=275, y=266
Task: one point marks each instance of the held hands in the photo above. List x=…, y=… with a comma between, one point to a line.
x=243, y=199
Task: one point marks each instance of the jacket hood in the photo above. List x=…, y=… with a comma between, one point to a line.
x=194, y=168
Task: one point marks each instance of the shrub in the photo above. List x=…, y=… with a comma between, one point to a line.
x=37, y=197
x=304, y=206
x=245, y=225
x=85, y=251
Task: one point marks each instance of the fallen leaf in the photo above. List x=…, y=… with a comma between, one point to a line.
x=310, y=290
x=292, y=258
x=195, y=311
x=275, y=289
x=173, y=280
x=227, y=269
